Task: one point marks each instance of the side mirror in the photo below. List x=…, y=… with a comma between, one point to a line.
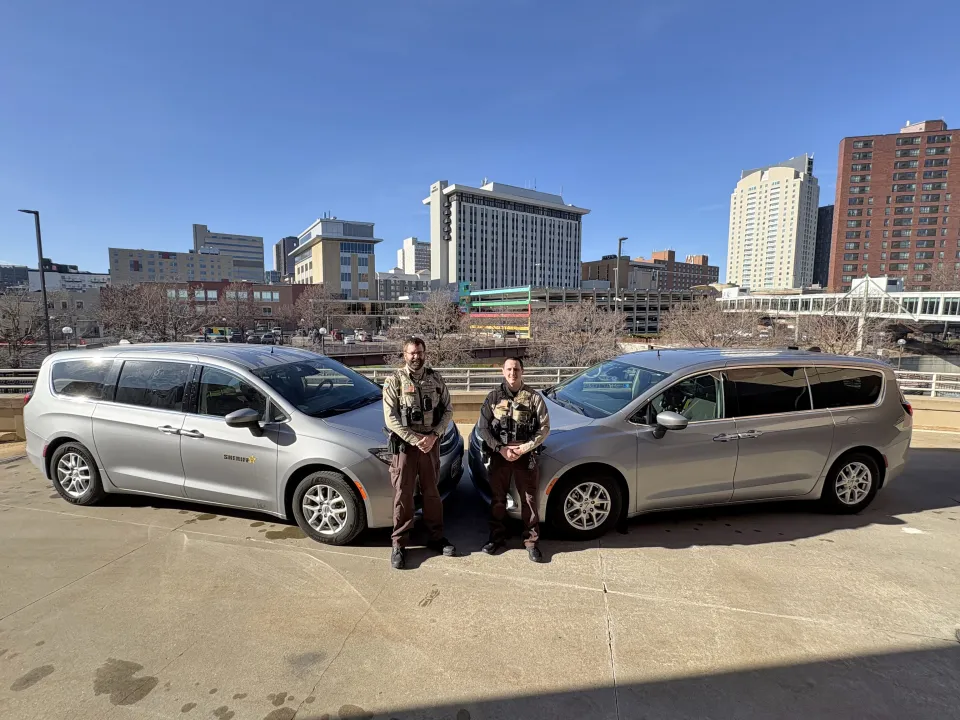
x=667, y=420
x=244, y=417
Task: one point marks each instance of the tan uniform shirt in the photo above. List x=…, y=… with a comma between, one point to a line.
x=408, y=389
x=495, y=406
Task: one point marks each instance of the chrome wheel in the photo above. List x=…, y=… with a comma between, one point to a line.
x=74, y=475
x=325, y=509
x=587, y=506
x=853, y=483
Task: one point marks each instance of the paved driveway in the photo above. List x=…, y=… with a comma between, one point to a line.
x=142, y=610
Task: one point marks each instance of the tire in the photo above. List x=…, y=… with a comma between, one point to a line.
x=573, y=490
x=346, y=516
x=75, y=475
x=845, y=490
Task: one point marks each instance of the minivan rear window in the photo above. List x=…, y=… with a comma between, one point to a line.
x=835, y=387
x=80, y=378
x=766, y=390
x=153, y=384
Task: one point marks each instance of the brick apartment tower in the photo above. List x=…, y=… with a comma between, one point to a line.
x=892, y=214
x=676, y=275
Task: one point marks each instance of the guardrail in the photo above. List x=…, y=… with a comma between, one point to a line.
x=947, y=385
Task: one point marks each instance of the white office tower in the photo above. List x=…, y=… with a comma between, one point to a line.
x=773, y=226
x=499, y=236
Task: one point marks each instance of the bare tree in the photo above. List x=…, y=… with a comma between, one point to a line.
x=157, y=311
x=235, y=307
x=944, y=277
x=21, y=323
x=575, y=334
x=443, y=327
x=704, y=322
x=315, y=306
x=121, y=310
x=357, y=321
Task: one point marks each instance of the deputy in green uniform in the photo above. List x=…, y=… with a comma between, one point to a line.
x=417, y=410
x=513, y=424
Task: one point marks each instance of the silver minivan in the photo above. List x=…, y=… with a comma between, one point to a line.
x=669, y=429
x=272, y=429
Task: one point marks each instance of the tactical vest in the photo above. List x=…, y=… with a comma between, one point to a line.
x=514, y=419
x=416, y=407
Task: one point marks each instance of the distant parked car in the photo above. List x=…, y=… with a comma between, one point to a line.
x=220, y=338
x=349, y=340
x=268, y=339
x=235, y=338
x=253, y=339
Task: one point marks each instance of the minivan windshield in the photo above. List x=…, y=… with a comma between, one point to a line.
x=604, y=389
x=320, y=387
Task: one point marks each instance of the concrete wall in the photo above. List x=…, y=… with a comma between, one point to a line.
x=11, y=418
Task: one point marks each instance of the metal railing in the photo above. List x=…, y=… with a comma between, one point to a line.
x=946, y=385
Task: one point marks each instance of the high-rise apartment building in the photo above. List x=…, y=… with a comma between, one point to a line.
x=282, y=262
x=503, y=236
x=414, y=256
x=675, y=275
x=773, y=225
x=247, y=251
x=339, y=254
x=893, y=209
x=822, y=253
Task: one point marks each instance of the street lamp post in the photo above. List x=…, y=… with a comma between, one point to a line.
x=900, y=343
x=616, y=286
x=43, y=282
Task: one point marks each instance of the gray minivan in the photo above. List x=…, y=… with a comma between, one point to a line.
x=668, y=429
x=277, y=430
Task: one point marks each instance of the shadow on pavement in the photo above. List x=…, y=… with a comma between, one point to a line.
x=915, y=684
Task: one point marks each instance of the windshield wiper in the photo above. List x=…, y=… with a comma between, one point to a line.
x=568, y=404
x=352, y=405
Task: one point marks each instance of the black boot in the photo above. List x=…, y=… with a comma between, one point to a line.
x=535, y=555
x=396, y=558
x=443, y=546
x=492, y=547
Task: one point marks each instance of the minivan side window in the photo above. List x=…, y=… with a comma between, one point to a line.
x=696, y=398
x=835, y=387
x=80, y=378
x=766, y=390
x=153, y=384
x=221, y=393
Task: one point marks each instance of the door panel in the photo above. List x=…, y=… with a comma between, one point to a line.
x=223, y=464
x=686, y=467
x=136, y=428
x=693, y=466
x=784, y=444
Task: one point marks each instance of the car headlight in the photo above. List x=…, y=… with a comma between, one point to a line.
x=382, y=454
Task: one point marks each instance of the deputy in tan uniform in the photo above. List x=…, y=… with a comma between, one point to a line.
x=417, y=410
x=513, y=424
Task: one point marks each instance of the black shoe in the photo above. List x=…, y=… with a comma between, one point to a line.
x=535, y=555
x=443, y=546
x=397, y=559
x=492, y=547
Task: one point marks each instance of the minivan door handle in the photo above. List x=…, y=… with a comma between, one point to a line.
x=168, y=429
x=191, y=433
x=723, y=437
x=748, y=434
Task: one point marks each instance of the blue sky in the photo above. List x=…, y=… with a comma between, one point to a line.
x=125, y=123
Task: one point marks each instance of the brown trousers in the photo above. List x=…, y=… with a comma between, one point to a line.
x=405, y=467
x=527, y=481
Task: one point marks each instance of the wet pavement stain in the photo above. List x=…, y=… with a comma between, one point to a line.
x=55, y=496
x=213, y=691
x=304, y=661
x=239, y=696
x=256, y=524
x=283, y=713
x=223, y=713
x=277, y=699
x=3, y=652
x=206, y=516
x=116, y=678
x=31, y=678
x=289, y=533
x=40, y=643
x=353, y=712
x=309, y=700
x=188, y=707
x=183, y=512
x=223, y=519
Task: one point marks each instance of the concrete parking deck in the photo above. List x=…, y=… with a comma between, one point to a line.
x=144, y=609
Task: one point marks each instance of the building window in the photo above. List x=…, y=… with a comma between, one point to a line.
x=915, y=140
x=851, y=246
x=937, y=151
x=862, y=178
x=926, y=232
x=851, y=256
x=933, y=174
x=904, y=187
x=859, y=189
x=854, y=223
x=904, y=164
x=902, y=211
x=903, y=221
x=908, y=153
x=902, y=233
x=858, y=144
x=935, y=197
x=936, y=162
x=939, y=138
x=927, y=221
x=935, y=186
